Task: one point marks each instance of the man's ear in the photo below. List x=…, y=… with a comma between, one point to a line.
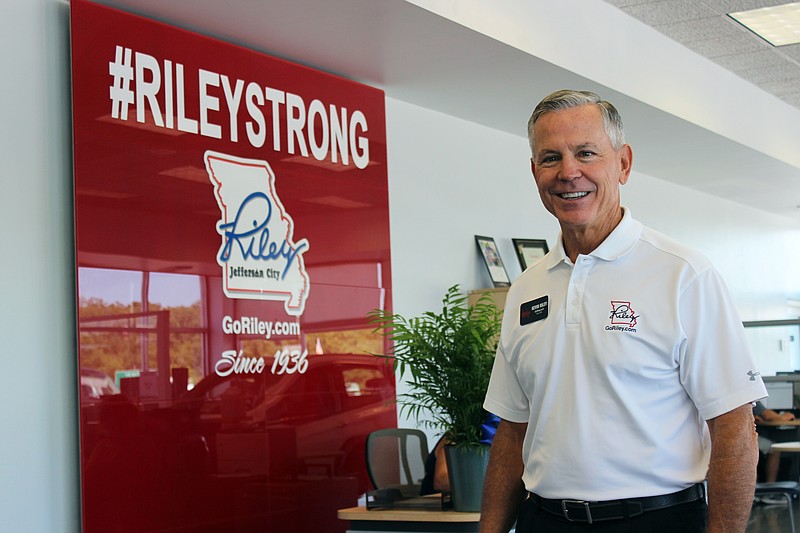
x=533, y=168
x=625, y=163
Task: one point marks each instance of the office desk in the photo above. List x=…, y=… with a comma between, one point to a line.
x=780, y=431
x=405, y=520
x=786, y=447
x=789, y=447
x=795, y=422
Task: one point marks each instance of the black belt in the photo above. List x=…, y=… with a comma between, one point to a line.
x=589, y=512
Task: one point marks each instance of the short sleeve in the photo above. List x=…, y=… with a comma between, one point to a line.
x=505, y=396
x=716, y=366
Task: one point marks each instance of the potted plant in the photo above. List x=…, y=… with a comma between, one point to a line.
x=448, y=357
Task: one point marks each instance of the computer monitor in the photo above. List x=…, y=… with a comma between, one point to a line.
x=781, y=395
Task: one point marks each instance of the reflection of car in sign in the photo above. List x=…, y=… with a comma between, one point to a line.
x=95, y=384
x=311, y=424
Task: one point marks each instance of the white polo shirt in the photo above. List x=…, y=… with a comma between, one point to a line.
x=615, y=363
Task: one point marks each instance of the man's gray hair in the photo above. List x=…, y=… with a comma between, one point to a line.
x=567, y=99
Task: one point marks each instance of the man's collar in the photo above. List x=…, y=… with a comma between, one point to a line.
x=617, y=244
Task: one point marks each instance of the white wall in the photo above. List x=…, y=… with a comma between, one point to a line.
x=38, y=382
x=449, y=180
x=757, y=253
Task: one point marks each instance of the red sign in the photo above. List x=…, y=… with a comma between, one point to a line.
x=232, y=233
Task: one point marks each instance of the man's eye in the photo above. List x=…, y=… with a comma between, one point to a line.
x=585, y=153
x=549, y=159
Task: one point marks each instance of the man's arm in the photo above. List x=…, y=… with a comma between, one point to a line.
x=769, y=415
x=441, y=478
x=503, y=490
x=732, y=470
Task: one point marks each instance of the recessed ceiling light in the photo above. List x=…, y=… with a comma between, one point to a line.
x=779, y=25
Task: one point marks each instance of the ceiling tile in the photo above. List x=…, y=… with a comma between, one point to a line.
x=770, y=74
x=722, y=46
x=627, y=3
x=751, y=60
x=791, y=51
x=704, y=27
x=700, y=29
x=732, y=6
x=669, y=12
x=784, y=88
x=793, y=99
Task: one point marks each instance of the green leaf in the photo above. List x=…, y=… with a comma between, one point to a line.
x=448, y=357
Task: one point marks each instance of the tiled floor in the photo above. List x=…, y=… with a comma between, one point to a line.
x=772, y=518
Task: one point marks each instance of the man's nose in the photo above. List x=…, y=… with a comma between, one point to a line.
x=570, y=169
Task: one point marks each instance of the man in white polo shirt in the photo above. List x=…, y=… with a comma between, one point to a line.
x=622, y=376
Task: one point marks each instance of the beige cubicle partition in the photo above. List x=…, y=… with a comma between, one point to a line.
x=497, y=294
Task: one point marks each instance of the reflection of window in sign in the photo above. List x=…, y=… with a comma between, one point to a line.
x=129, y=343
x=148, y=385
x=355, y=340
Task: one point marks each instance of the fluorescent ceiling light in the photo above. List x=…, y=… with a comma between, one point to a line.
x=779, y=25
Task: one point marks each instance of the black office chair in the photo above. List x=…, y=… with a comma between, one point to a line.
x=396, y=459
x=786, y=489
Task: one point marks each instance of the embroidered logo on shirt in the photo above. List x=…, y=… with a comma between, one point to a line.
x=753, y=375
x=622, y=317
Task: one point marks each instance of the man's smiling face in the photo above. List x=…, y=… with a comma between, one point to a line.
x=577, y=170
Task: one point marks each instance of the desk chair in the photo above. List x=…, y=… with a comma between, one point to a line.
x=396, y=459
x=787, y=489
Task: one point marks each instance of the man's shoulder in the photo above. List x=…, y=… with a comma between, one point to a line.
x=671, y=248
x=534, y=277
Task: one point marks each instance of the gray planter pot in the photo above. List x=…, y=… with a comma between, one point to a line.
x=466, y=468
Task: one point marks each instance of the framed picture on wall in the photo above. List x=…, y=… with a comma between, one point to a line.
x=491, y=257
x=529, y=251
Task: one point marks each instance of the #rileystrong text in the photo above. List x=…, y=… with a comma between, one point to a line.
x=311, y=129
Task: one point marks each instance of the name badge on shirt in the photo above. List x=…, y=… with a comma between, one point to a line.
x=533, y=311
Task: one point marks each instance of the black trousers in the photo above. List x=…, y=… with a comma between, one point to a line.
x=685, y=518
